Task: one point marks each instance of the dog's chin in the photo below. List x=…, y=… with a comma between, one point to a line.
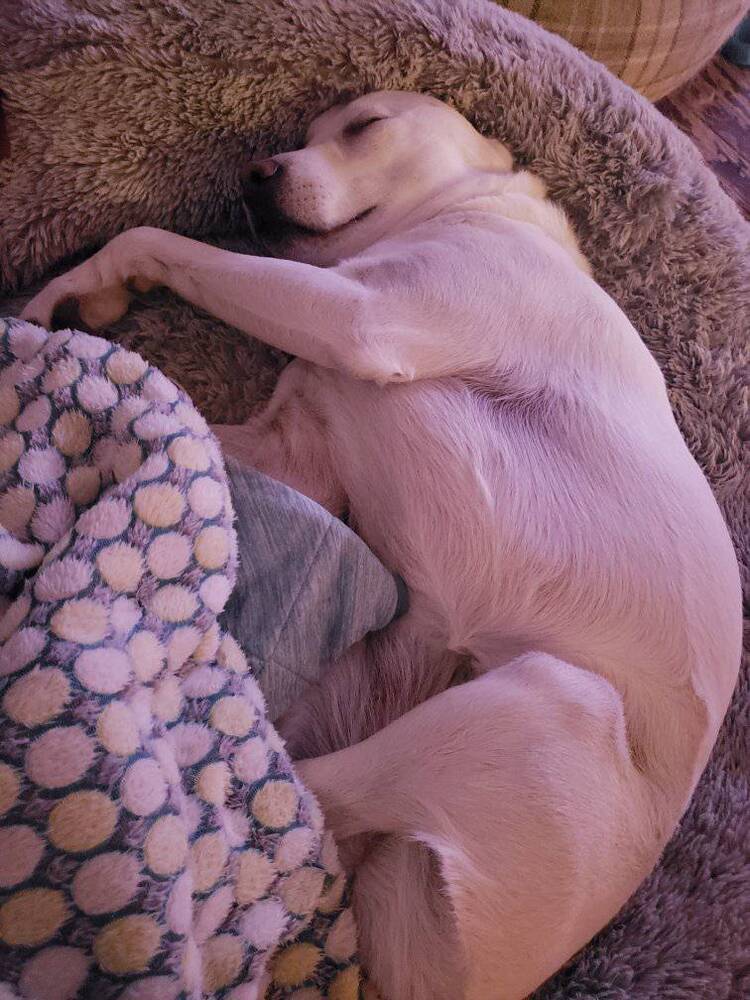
x=311, y=232
x=282, y=236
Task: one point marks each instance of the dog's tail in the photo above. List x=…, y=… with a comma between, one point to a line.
x=374, y=683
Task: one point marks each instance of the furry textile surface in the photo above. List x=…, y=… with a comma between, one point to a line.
x=154, y=841
x=131, y=113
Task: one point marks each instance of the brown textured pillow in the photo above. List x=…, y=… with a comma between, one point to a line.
x=654, y=45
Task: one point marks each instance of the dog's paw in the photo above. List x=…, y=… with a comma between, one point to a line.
x=67, y=301
x=100, y=288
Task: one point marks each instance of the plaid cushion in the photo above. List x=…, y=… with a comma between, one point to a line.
x=654, y=45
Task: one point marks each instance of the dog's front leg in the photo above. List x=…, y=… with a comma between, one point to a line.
x=314, y=313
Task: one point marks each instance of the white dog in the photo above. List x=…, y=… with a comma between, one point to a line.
x=502, y=439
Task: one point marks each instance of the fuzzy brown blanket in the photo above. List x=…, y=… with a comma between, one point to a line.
x=131, y=113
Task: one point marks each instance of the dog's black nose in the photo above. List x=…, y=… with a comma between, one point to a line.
x=260, y=172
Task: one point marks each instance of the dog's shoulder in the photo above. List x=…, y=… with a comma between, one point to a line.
x=522, y=196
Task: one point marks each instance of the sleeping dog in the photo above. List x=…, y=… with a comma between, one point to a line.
x=502, y=439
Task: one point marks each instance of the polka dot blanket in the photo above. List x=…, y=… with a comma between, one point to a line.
x=154, y=841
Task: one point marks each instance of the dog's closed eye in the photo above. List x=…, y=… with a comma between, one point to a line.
x=356, y=127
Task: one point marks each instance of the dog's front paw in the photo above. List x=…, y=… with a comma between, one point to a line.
x=60, y=306
x=95, y=293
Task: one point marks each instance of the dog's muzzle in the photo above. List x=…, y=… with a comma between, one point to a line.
x=260, y=181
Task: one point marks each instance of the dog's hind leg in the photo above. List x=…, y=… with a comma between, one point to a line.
x=287, y=439
x=521, y=786
x=408, y=916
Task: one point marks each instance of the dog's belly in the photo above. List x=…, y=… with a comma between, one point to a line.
x=500, y=528
x=593, y=544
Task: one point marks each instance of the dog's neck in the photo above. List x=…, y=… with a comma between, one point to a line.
x=519, y=196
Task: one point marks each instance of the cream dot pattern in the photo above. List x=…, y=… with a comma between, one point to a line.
x=150, y=821
x=106, y=883
x=52, y=520
x=16, y=507
x=8, y=404
x=168, y=555
x=54, y=973
x=21, y=849
x=83, y=484
x=59, y=757
x=72, y=433
x=84, y=345
x=147, y=655
x=212, y=547
x=117, y=730
x=35, y=415
x=121, y=566
x=37, y=697
x=124, y=616
x=166, y=846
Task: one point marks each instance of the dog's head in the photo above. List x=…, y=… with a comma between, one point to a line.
x=364, y=165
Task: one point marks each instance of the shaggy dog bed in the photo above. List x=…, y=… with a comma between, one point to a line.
x=145, y=114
